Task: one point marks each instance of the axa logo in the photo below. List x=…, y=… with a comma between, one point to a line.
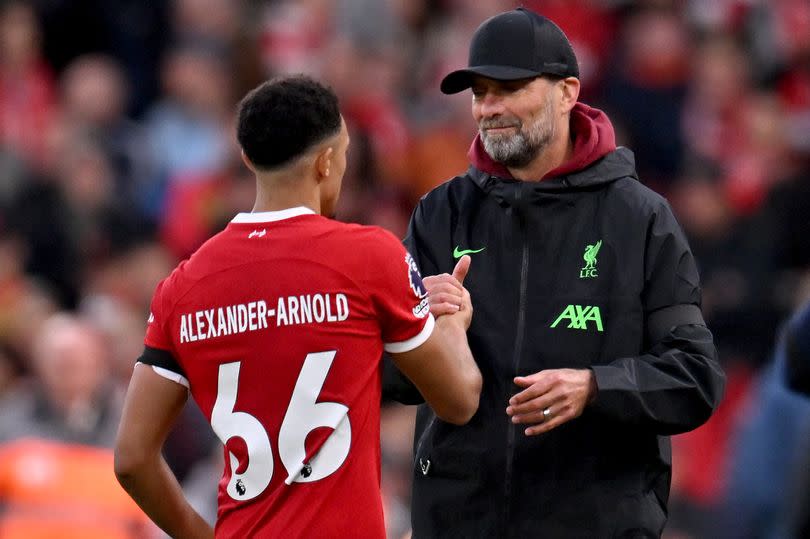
x=578, y=317
x=589, y=271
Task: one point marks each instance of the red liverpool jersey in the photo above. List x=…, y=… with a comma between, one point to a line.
x=277, y=325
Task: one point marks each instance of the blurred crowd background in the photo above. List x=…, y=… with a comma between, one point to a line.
x=118, y=158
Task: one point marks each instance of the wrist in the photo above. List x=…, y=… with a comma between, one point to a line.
x=452, y=323
x=593, y=388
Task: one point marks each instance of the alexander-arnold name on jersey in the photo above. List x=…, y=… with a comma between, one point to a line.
x=256, y=315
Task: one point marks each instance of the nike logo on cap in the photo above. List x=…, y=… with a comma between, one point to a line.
x=458, y=253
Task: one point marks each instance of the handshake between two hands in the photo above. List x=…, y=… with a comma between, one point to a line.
x=548, y=398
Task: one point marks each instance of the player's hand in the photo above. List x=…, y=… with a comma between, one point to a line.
x=446, y=293
x=563, y=392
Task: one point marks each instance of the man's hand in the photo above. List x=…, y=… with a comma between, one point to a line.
x=446, y=293
x=561, y=393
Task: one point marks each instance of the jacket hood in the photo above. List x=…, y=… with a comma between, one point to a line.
x=594, y=139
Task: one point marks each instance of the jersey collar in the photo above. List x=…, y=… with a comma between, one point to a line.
x=268, y=216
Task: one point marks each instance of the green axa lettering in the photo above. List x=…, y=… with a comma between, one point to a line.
x=579, y=316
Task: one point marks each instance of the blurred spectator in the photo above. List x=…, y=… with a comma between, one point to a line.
x=782, y=234
x=797, y=352
x=191, y=141
x=593, y=42
x=217, y=20
x=24, y=302
x=782, y=46
x=294, y=36
x=56, y=476
x=774, y=427
x=131, y=276
x=27, y=95
x=762, y=157
x=231, y=25
x=71, y=222
x=718, y=15
x=397, y=455
x=647, y=92
x=121, y=326
x=735, y=128
x=188, y=126
x=41, y=218
x=94, y=97
x=720, y=81
x=736, y=302
x=11, y=369
x=132, y=31
x=71, y=398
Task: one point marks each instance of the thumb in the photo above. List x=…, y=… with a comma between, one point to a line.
x=462, y=267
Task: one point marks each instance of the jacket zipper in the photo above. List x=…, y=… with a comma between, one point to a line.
x=521, y=323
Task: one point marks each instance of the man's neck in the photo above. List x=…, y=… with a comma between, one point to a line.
x=553, y=156
x=280, y=195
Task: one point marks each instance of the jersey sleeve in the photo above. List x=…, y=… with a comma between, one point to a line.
x=158, y=349
x=399, y=297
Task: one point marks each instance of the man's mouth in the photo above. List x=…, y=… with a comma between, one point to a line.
x=499, y=130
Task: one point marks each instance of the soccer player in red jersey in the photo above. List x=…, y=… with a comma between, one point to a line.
x=276, y=326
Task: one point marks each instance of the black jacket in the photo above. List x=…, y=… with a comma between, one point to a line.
x=535, y=295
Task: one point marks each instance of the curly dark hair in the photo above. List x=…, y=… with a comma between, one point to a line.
x=285, y=116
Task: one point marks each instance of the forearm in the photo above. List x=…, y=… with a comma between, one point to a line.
x=457, y=346
x=155, y=489
x=672, y=389
x=396, y=386
x=443, y=370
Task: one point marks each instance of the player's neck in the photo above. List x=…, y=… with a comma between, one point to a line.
x=275, y=194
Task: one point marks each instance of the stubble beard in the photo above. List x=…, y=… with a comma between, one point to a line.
x=518, y=150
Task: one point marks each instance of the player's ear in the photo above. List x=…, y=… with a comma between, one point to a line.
x=248, y=163
x=323, y=163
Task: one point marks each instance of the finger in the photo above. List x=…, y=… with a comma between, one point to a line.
x=439, y=277
x=532, y=392
x=535, y=417
x=534, y=405
x=446, y=288
x=546, y=425
x=462, y=267
x=443, y=282
x=440, y=309
x=526, y=381
x=433, y=280
x=444, y=297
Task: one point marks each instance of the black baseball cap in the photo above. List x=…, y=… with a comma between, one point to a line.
x=517, y=44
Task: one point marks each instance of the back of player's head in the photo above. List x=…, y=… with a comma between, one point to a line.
x=284, y=117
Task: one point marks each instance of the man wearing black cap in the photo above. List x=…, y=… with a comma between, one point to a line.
x=588, y=329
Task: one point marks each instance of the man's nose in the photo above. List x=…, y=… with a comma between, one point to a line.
x=490, y=104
